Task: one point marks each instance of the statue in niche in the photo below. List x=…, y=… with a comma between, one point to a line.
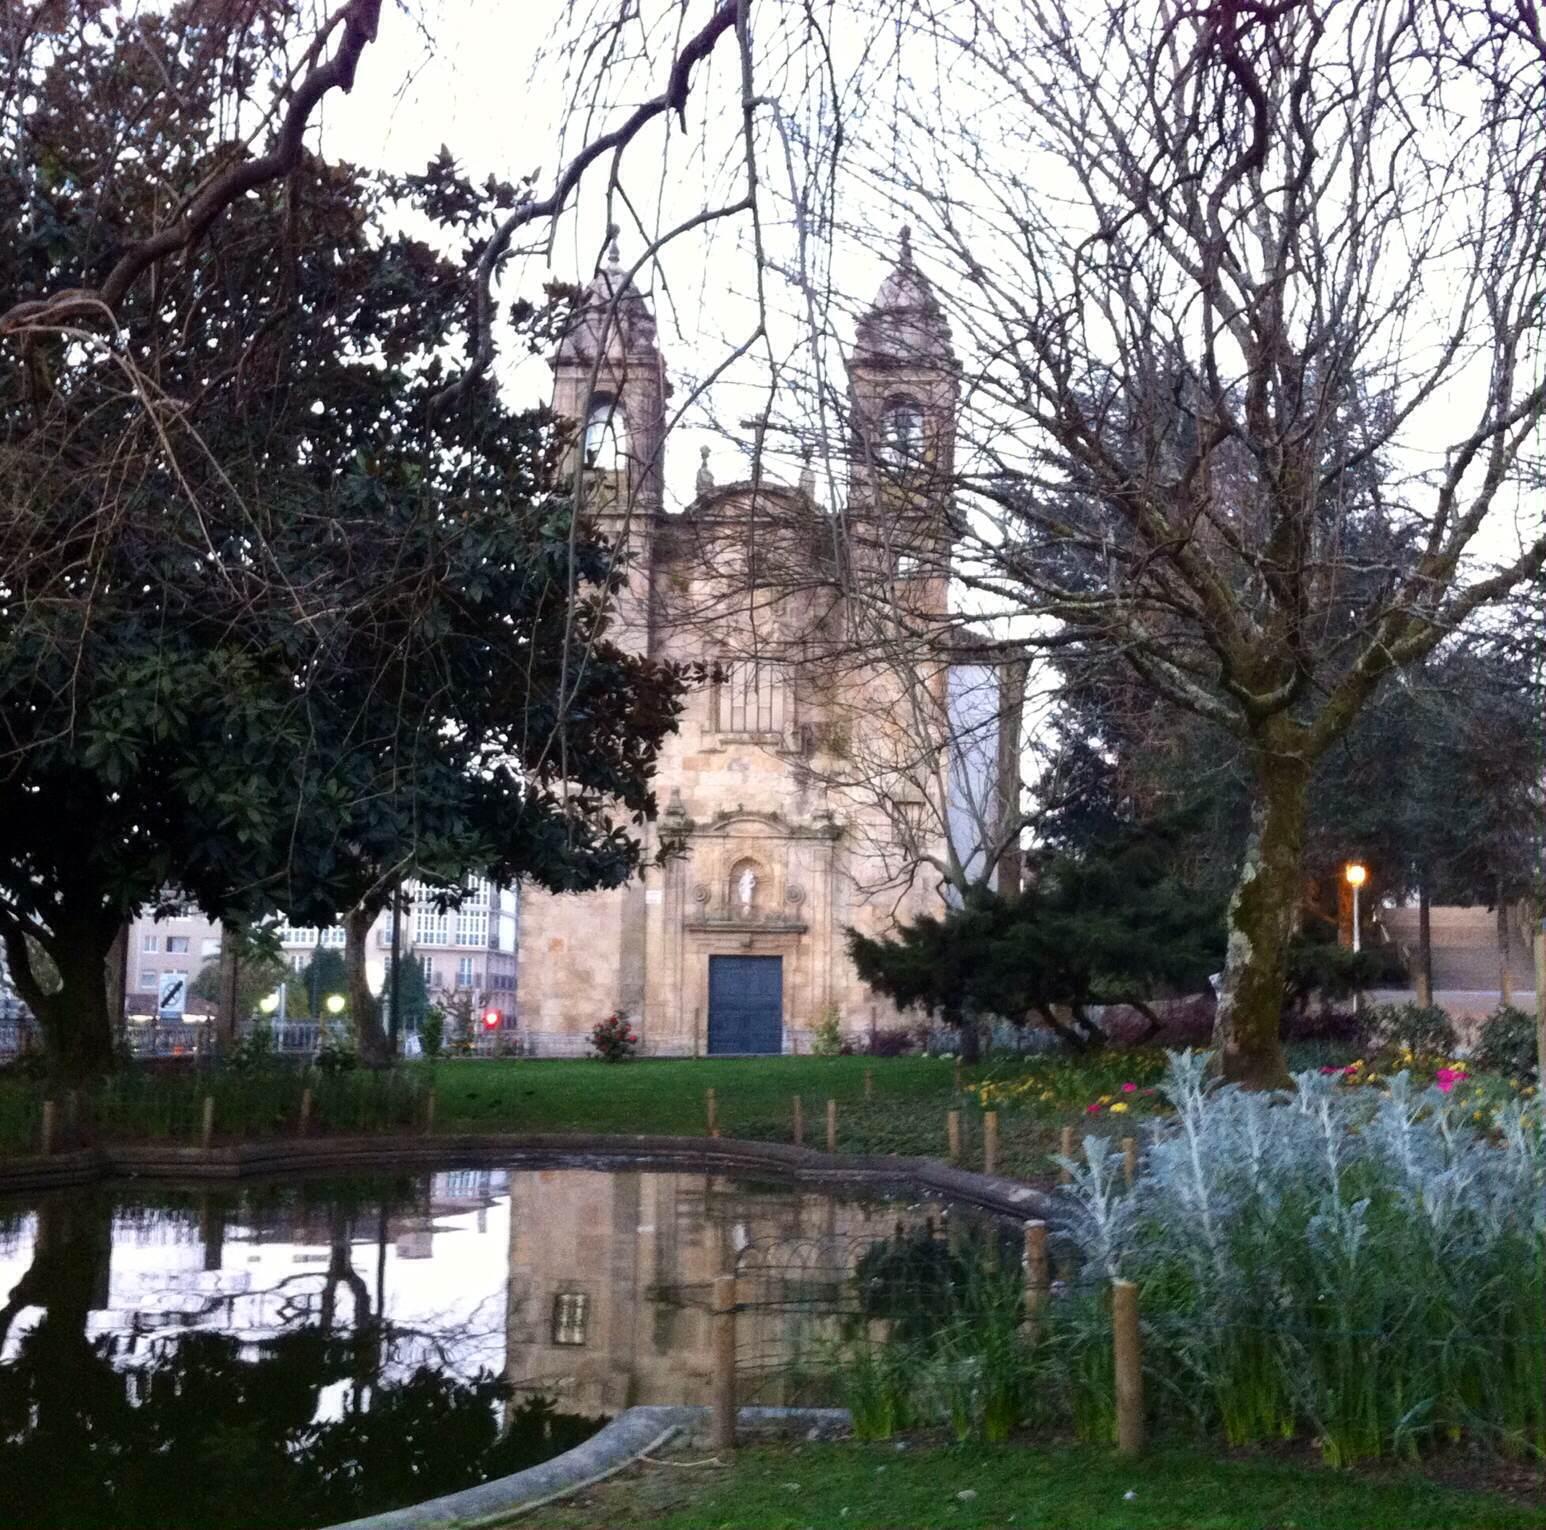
x=746, y=888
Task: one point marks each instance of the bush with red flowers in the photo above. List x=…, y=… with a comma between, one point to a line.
x=614, y=1040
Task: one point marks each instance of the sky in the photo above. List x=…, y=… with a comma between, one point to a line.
x=493, y=82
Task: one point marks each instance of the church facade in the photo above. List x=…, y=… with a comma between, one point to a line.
x=811, y=784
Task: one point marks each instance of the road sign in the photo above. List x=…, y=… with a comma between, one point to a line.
x=173, y=995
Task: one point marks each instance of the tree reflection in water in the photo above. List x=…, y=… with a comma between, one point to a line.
x=301, y=1427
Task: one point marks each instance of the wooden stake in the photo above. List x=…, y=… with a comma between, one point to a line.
x=710, y=1110
x=50, y=1129
x=724, y=1363
x=1127, y=1352
x=799, y=1122
x=429, y=1114
x=305, y=1110
x=1130, y=1160
x=1036, y=1278
x=958, y=1076
x=953, y=1134
x=832, y=1126
x=207, y=1126
x=869, y=1083
x=989, y=1141
x=1066, y=1148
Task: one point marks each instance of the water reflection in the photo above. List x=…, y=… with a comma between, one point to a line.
x=294, y=1355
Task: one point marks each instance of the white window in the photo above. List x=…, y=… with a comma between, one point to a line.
x=571, y=1309
x=606, y=434
x=333, y=936
x=464, y=973
x=472, y=916
x=431, y=925
x=149, y=977
x=150, y=941
x=177, y=945
x=751, y=698
x=297, y=934
x=212, y=945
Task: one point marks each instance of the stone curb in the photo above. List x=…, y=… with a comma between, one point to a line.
x=703, y=1155
x=633, y=1433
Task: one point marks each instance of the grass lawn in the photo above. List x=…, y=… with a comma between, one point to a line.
x=754, y=1100
x=876, y=1487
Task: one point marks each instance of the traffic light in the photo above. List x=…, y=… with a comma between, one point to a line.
x=492, y=1019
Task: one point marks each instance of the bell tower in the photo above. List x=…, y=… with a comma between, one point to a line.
x=904, y=393
x=609, y=384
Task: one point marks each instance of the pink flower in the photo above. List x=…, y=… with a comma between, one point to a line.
x=1447, y=1078
x=1129, y=1089
x=1329, y=1069
x=1092, y=1110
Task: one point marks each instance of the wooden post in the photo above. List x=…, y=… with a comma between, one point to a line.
x=429, y=1114
x=1127, y=1352
x=710, y=1110
x=869, y=1083
x=1130, y=1160
x=207, y=1126
x=958, y=1076
x=1066, y=1148
x=724, y=1362
x=953, y=1134
x=989, y=1141
x=799, y=1122
x=832, y=1126
x=1036, y=1280
x=50, y=1125
x=305, y=1110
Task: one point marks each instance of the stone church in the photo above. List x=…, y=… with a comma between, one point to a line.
x=814, y=783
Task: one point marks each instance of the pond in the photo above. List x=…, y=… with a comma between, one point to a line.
x=176, y=1357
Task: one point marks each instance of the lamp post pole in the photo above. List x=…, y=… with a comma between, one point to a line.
x=397, y=922
x=1357, y=933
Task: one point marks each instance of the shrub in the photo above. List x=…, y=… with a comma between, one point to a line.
x=827, y=1033
x=253, y=1052
x=1338, y=1027
x=1183, y=1023
x=1422, y=1029
x=1506, y=1043
x=614, y=1040
x=336, y=1054
x=890, y=1041
x=432, y=1031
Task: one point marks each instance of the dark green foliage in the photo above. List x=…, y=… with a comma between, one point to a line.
x=1318, y=966
x=1113, y=925
x=412, y=996
x=1421, y=1028
x=1506, y=1044
x=323, y=975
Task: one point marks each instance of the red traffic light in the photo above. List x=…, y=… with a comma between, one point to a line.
x=492, y=1019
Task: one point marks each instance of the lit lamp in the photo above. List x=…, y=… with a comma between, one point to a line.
x=335, y=1003
x=270, y=1004
x=1356, y=875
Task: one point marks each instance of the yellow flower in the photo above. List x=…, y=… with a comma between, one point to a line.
x=1118, y=1108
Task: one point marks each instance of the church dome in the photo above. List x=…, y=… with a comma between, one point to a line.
x=905, y=325
x=611, y=319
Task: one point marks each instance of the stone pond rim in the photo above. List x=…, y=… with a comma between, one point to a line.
x=333, y=1156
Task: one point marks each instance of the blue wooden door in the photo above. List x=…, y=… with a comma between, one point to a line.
x=746, y=1004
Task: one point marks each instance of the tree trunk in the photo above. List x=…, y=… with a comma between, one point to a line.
x=1505, y=978
x=363, y=1009
x=230, y=976
x=1424, y=942
x=1262, y=912
x=77, y=1025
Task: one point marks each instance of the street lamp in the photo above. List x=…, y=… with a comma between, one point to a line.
x=1356, y=875
x=270, y=1004
x=335, y=1003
